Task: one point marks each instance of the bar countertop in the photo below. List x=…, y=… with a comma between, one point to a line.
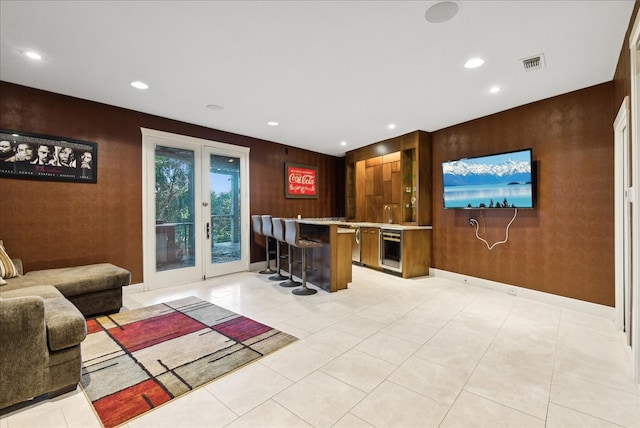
x=354, y=224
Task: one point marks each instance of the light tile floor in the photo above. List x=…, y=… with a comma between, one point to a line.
x=390, y=352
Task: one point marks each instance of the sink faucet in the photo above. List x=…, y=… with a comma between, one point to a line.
x=384, y=210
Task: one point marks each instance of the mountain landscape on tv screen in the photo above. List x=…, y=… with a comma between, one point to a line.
x=469, y=172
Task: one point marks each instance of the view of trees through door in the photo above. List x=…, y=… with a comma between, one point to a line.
x=224, y=195
x=174, y=197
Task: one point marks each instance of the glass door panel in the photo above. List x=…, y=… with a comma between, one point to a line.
x=224, y=195
x=226, y=211
x=175, y=208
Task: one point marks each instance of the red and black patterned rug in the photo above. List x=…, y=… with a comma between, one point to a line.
x=135, y=361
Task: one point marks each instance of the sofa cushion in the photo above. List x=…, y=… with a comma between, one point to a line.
x=66, y=327
x=7, y=268
x=44, y=291
x=73, y=281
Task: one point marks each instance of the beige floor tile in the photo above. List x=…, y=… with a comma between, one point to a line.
x=438, y=382
x=195, y=409
x=269, y=414
x=359, y=369
x=462, y=357
x=321, y=400
x=604, y=372
x=388, y=348
x=524, y=390
x=360, y=326
x=462, y=332
x=351, y=421
x=295, y=361
x=596, y=400
x=409, y=330
x=313, y=323
x=247, y=388
x=521, y=351
x=472, y=411
x=331, y=341
x=562, y=417
x=391, y=405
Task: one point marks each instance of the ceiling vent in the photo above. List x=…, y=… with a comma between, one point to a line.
x=533, y=63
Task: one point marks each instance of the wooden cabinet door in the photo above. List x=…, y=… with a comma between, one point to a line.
x=369, y=246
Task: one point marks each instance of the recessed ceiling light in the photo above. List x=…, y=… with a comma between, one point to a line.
x=139, y=85
x=392, y=126
x=343, y=143
x=272, y=123
x=494, y=89
x=32, y=55
x=442, y=11
x=214, y=107
x=473, y=63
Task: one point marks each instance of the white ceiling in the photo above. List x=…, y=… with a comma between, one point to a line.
x=327, y=71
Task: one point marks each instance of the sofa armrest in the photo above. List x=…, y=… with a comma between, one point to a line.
x=19, y=266
x=23, y=340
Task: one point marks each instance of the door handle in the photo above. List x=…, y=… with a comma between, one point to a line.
x=208, y=231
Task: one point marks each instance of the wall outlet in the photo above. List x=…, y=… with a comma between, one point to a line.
x=512, y=291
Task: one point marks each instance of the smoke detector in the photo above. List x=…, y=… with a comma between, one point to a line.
x=533, y=63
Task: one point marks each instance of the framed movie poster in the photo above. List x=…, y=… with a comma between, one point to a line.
x=301, y=181
x=43, y=157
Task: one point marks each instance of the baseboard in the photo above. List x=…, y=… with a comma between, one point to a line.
x=258, y=266
x=133, y=288
x=551, y=299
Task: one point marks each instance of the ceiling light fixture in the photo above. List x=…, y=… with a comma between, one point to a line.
x=272, y=123
x=343, y=143
x=139, y=85
x=32, y=55
x=474, y=63
x=494, y=89
x=392, y=126
x=442, y=11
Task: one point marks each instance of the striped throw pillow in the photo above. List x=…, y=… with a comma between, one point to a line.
x=7, y=268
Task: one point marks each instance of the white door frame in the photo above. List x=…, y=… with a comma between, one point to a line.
x=634, y=193
x=622, y=226
x=621, y=144
x=150, y=138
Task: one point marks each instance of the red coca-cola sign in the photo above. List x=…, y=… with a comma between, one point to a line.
x=301, y=181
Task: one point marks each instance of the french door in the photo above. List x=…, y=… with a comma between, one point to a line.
x=196, y=210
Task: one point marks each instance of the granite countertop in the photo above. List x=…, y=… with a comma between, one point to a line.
x=354, y=224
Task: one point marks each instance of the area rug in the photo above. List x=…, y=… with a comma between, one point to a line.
x=135, y=361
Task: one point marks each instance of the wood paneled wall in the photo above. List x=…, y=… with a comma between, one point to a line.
x=565, y=245
x=49, y=224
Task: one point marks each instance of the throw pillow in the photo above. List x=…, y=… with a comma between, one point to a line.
x=7, y=268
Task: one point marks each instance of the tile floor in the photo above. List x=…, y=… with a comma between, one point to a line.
x=390, y=352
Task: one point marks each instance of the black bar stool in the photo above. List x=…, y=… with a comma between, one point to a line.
x=292, y=236
x=256, y=221
x=268, y=231
x=279, y=234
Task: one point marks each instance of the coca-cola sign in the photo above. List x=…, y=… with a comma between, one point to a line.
x=301, y=181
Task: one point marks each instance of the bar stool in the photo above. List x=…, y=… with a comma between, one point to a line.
x=292, y=236
x=279, y=234
x=268, y=231
x=256, y=221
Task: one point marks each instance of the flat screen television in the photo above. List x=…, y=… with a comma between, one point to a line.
x=503, y=180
